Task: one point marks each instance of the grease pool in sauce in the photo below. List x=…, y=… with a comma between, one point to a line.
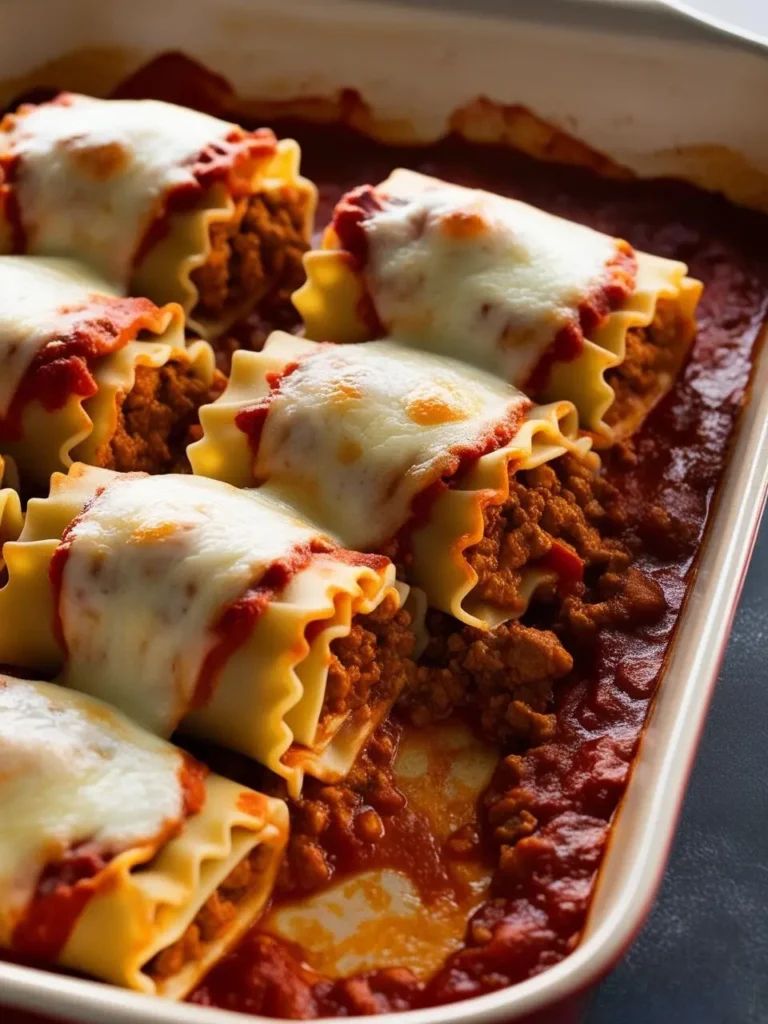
x=573, y=784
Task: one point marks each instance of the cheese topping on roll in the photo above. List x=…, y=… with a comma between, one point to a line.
x=362, y=430
x=92, y=175
x=449, y=270
x=67, y=778
x=145, y=573
x=184, y=601
x=80, y=365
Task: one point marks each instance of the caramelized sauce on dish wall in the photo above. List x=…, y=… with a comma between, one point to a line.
x=536, y=910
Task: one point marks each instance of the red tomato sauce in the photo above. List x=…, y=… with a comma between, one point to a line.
x=63, y=890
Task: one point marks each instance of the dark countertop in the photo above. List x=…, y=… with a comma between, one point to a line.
x=702, y=957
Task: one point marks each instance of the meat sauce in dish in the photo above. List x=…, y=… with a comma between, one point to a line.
x=543, y=823
x=546, y=817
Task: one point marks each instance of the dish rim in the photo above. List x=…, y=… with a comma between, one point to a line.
x=694, y=660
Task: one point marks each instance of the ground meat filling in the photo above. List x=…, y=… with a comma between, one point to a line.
x=653, y=359
x=255, y=255
x=560, y=501
x=503, y=678
x=157, y=419
x=372, y=664
x=506, y=676
x=340, y=817
x=214, y=917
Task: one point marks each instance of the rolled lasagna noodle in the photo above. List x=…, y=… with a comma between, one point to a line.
x=87, y=374
x=554, y=308
x=184, y=601
x=125, y=859
x=393, y=450
x=164, y=201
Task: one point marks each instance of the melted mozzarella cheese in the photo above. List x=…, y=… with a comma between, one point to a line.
x=93, y=173
x=480, y=278
x=73, y=771
x=40, y=299
x=153, y=563
x=356, y=432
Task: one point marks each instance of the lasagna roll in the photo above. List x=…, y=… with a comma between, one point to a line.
x=87, y=374
x=126, y=859
x=186, y=602
x=402, y=452
x=162, y=200
x=554, y=308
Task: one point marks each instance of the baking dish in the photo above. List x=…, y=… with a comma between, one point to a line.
x=658, y=105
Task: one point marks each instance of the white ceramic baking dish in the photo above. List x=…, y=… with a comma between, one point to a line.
x=628, y=79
